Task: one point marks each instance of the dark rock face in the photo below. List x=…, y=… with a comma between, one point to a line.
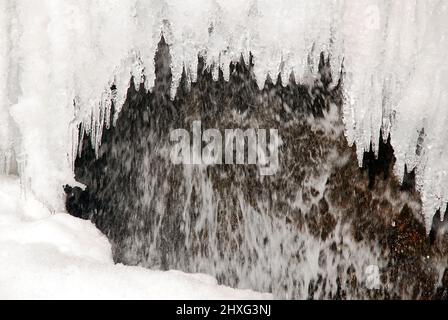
x=309, y=231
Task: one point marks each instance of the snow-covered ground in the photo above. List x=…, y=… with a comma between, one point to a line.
x=57, y=256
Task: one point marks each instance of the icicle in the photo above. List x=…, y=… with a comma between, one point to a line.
x=396, y=75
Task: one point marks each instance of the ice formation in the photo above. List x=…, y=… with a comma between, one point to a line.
x=59, y=59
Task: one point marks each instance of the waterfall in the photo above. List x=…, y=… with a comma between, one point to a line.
x=309, y=231
x=84, y=104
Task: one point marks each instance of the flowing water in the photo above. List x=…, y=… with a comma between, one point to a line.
x=315, y=229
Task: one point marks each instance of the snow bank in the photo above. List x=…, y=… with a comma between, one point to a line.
x=58, y=60
x=56, y=256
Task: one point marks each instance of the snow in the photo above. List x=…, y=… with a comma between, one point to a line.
x=58, y=60
x=57, y=256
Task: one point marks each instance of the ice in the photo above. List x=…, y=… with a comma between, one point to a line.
x=59, y=60
x=397, y=82
x=7, y=128
x=57, y=256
